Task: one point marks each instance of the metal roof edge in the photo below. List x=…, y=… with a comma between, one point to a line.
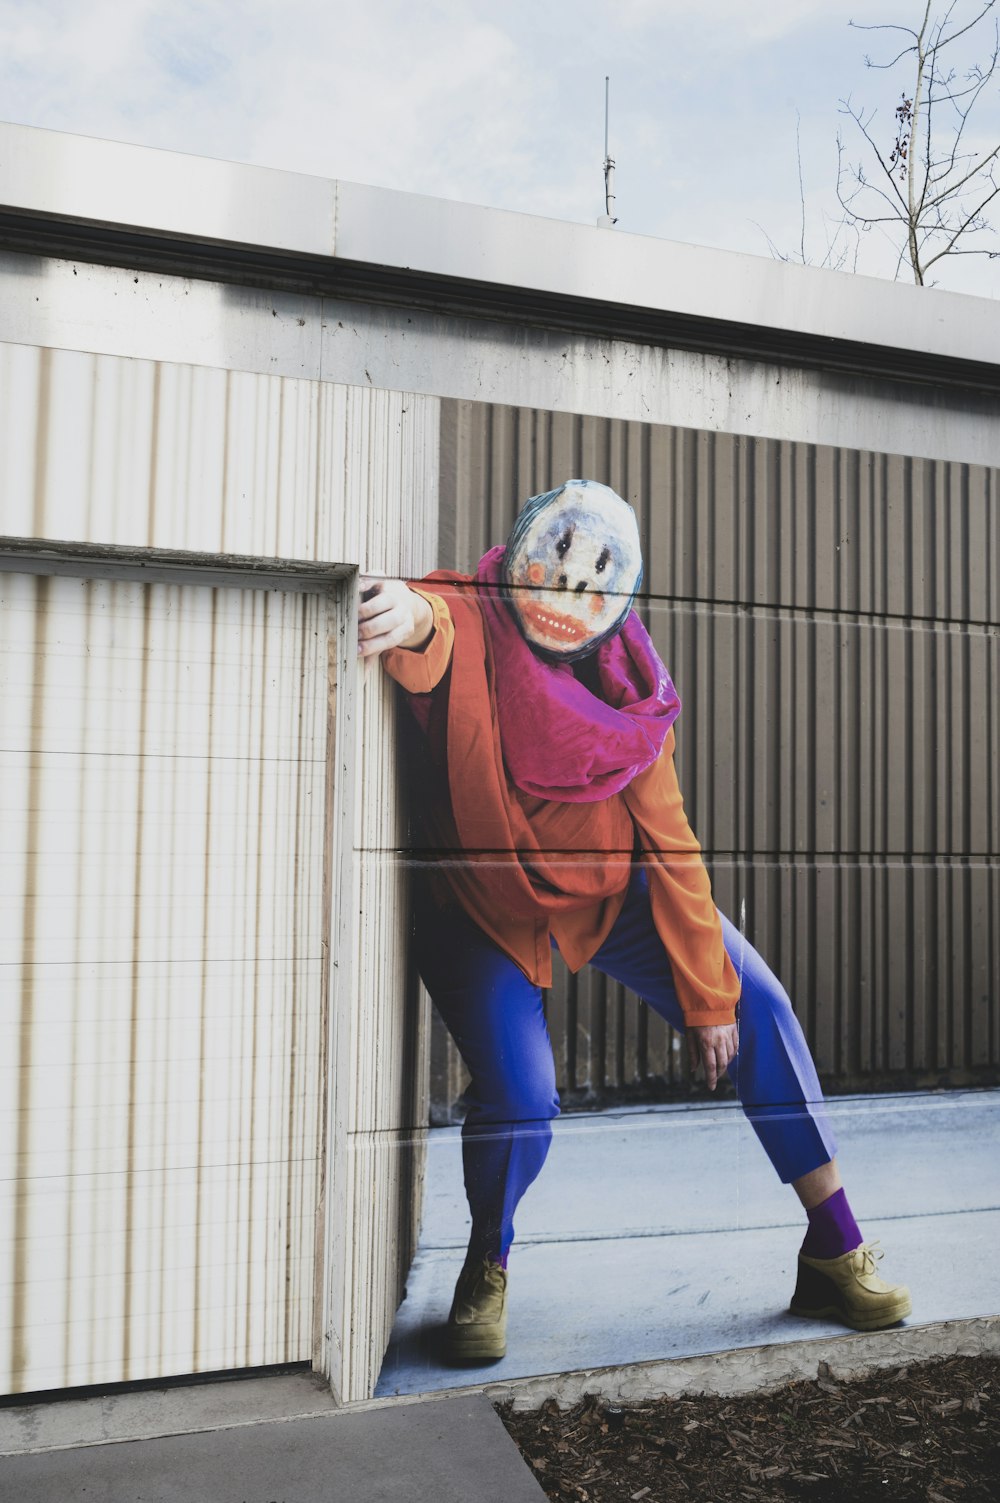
x=79, y=197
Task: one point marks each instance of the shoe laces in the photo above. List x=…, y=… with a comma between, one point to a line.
x=870, y=1253
x=485, y=1273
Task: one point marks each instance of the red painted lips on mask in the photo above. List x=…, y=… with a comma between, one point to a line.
x=553, y=623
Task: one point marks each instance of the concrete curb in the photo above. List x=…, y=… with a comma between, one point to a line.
x=758, y=1368
x=231, y=1405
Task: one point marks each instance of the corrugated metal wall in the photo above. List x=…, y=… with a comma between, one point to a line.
x=117, y=451
x=831, y=620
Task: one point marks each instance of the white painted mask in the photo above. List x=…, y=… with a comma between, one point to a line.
x=572, y=566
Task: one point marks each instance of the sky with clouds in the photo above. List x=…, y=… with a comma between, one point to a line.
x=498, y=104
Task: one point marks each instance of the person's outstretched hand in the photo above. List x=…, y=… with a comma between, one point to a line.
x=391, y=615
x=713, y=1047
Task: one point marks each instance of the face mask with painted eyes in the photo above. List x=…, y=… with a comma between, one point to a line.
x=572, y=566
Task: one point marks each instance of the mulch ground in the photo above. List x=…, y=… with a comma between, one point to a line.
x=927, y=1432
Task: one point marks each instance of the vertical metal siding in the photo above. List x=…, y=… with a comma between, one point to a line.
x=391, y=470
x=831, y=620
x=163, y=759
x=104, y=449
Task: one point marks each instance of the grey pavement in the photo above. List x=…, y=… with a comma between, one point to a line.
x=652, y=1234
x=663, y=1233
x=452, y=1450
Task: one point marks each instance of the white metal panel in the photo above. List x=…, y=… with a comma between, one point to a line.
x=71, y=176
x=163, y=774
x=166, y=190
x=151, y=316
x=113, y=451
x=100, y=310
x=379, y=1037
x=106, y=450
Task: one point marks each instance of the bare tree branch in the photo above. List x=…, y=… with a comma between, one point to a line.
x=963, y=115
x=899, y=262
x=863, y=127
x=884, y=67
x=882, y=26
x=802, y=190
x=973, y=172
x=968, y=27
x=963, y=227
x=929, y=192
x=939, y=26
x=937, y=192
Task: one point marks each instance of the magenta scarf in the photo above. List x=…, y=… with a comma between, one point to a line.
x=559, y=740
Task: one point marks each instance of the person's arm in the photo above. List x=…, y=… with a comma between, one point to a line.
x=410, y=629
x=685, y=915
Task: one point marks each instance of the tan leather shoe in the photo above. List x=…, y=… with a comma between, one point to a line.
x=848, y=1289
x=477, y=1325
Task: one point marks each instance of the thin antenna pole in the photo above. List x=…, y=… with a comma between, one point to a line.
x=607, y=219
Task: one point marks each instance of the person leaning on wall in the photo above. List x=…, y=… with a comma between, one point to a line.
x=544, y=756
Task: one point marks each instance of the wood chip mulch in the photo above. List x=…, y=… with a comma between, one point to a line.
x=927, y=1432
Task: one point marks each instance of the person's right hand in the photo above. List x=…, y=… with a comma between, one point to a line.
x=391, y=615
x=713, y=1047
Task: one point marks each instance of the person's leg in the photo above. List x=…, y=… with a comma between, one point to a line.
x=774, y=1056
x=773, y=1071
x=494, y=1014
x=780, y=1092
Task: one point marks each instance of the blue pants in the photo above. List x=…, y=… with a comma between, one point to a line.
x=494, y=1014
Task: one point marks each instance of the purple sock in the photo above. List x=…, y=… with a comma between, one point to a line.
x=499, y=1258
x=833, y=1230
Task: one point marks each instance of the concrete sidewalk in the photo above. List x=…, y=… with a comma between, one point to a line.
x=447, y=1450
x=663, y=1233
x=653, y=1237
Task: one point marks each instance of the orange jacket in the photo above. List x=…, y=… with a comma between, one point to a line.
x=525, y=869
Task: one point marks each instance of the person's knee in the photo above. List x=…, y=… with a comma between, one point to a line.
x=522, y=1096
x=765, y=1003
x=538, y=1099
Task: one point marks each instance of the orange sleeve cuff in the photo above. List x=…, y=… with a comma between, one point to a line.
x=419, y=670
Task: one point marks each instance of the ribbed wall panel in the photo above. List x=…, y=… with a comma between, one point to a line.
x=106, y=450
x=161, y=930
x=392, y=475
x=100, y=449
x=831, y=620
x=736, y=520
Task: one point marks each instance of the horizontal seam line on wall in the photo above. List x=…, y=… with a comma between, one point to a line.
x=148, y=756
x=166, y=961
x=842, y=615
x=416, y=857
